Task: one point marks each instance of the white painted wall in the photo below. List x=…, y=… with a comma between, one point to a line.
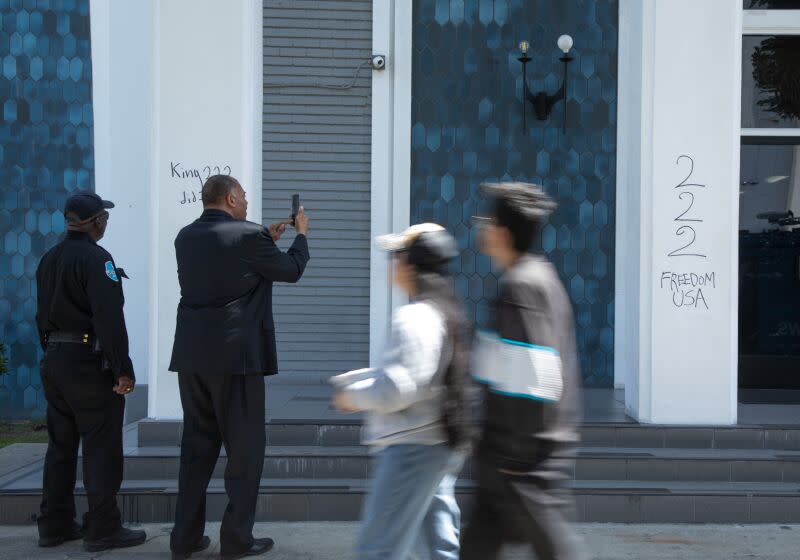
x=207, y=114
x=686, y=102
x=122, y=39
x=176, y=82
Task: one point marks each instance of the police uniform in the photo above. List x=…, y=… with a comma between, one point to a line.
x=82, y=331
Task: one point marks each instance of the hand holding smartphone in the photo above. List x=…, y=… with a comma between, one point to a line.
x=299, y=218
x=295, y=207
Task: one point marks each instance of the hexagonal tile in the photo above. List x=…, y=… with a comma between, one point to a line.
x=44, y=224
x=24, y=243
x=563, y=238
x=483, y=265
x=570, y=266
x=83, y=136
x=448, y=187
x=586, y=214
x=486, y=12
x=418, y=135
x=490, y=287
x=32, y=263
x=601, y=214
x=10, y=242
x=485, y=108
x=70, y=46
x=576, y=287
x=9, y=67
x=31, y=219
x=601, y=165
x=29, y=398
x=548, y=238
x=76, y=69
x=475, y=288
x=543, y=163
x=36, y=68
x=434, y=138
x=17, y=265
x=470, y=161
x=10, y=110
x=492, y=136
x=501, y=12
x=75, y=114
x=62, y=68
x=62, y=24
x=592, y=290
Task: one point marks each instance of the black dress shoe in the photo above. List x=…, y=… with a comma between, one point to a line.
x=75, y=533
x=201, y=545
x=259, y=546
x=123, y=538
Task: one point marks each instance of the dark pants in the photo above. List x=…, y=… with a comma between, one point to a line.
x=530, y=508
x=81, y=406
x=220, y=410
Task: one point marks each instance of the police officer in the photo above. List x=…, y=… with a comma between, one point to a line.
x=85, y=373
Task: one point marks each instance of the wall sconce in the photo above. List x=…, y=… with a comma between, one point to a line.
x=543, y=103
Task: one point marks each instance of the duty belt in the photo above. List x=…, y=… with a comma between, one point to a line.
x=71, y=337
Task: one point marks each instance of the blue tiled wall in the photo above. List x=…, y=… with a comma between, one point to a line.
x=45, y=153
x=467, y=128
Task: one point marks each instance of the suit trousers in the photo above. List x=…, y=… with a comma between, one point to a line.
x=220, y=410
x=81, y=405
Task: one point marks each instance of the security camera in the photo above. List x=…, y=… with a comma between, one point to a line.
x=378, y=62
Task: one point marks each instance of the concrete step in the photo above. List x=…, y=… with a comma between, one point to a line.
x=348, y=432
x=153, y=501
x=592, y=463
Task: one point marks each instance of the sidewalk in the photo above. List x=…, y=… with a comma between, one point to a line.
x=333, y=541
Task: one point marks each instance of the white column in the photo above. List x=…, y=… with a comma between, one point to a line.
x=680, y=81
x=391, y=155
x=122, y=100
x=207, y=120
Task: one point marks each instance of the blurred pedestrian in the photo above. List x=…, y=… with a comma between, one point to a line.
x=531, y=372
x=417, y=418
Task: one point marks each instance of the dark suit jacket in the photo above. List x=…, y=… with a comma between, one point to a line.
x=226, y=268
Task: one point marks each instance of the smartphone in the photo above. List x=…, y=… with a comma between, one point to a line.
x=295, y=206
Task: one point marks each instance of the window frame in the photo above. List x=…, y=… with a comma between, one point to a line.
x=771, y=22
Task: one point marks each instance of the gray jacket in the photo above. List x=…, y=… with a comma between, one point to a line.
x=532, y=374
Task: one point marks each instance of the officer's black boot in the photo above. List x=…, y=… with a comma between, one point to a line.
x=123, y=538
x=74, y=533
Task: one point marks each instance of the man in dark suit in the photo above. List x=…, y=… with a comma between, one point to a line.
x=224, y=346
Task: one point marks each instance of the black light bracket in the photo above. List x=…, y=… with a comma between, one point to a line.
x=541, y=101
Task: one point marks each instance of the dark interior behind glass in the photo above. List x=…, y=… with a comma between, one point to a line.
x=769, y=264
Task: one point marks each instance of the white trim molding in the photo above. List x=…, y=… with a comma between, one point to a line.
x=772, y=132
x=391, y=155
x=771, y=22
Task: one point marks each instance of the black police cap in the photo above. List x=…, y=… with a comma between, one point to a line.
x=84, y=206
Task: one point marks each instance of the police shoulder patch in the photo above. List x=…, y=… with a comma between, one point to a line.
x=111, y=272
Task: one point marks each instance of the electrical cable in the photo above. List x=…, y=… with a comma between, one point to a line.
x=346, y=86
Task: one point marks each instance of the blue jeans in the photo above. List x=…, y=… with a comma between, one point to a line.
x=411, y=510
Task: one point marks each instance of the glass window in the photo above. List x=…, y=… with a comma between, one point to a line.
x=771, y=81
x=772, y=4
x=769, y=264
